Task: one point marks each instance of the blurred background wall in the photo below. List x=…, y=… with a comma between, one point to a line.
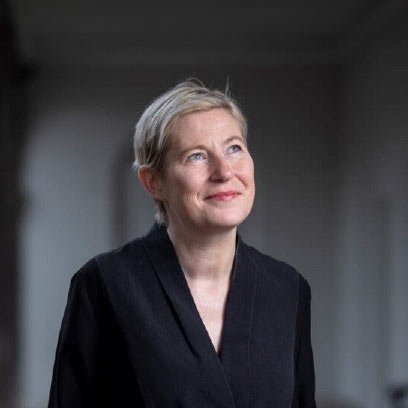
x=325, y=88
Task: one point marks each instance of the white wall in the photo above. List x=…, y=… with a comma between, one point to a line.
x=79, y=127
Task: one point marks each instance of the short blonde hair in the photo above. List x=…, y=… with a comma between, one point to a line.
x=153, y=130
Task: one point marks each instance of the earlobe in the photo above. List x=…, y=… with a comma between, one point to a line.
x=151, y=182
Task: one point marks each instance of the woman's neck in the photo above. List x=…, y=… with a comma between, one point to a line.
x=205, y=257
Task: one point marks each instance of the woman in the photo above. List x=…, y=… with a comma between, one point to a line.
x=189, y=315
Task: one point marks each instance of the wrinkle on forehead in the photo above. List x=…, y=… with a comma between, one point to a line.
x=196, y=124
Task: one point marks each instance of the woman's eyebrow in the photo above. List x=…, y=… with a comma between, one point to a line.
x=202, y=147
x=235, y=137
x=193, y=147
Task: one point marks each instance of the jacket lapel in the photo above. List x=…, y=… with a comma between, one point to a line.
x=235, y=353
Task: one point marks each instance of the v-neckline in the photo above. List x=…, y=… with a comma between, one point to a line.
x=233, y=359
x=225, y=313
x=178, y=277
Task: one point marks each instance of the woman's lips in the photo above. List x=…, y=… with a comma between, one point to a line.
x=224, y=196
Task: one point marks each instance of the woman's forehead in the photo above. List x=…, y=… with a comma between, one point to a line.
x=201, y=126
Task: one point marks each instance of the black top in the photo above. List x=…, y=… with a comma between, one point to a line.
x=132, y=336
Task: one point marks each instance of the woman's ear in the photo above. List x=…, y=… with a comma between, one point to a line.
x=151, y=182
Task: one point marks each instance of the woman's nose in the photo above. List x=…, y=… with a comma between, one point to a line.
x=221, y=169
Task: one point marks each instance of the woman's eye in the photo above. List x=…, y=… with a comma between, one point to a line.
x=196, y=157
x=235, y=148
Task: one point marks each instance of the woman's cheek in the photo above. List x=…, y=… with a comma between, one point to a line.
x=246, y=167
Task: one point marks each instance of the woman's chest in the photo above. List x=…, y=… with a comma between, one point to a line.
x=172, y=340
x=211, y=309
x=172, y=330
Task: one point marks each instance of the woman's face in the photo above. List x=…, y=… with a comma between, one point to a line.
x=208, y=181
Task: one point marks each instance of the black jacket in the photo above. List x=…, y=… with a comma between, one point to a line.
x=132, y=336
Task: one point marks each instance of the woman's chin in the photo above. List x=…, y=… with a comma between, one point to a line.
x=225, y=221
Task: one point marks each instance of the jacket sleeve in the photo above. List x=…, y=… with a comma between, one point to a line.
x=92, y=366
x=77, y=359
x=304, y=364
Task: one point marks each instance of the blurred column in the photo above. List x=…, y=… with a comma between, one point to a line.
x=398, y=322
x=11, y=121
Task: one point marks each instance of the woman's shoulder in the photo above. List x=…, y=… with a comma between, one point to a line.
x=116, y=264
x=115, y=259
x=279, y=271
